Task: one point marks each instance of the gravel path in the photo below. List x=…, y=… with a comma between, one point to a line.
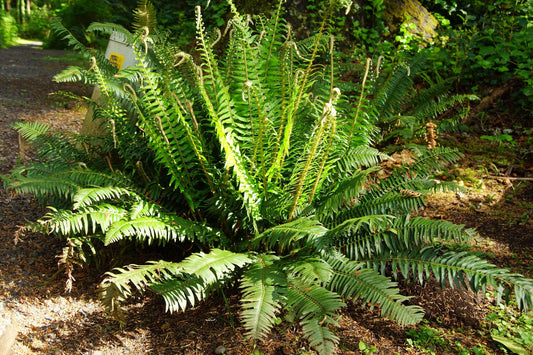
x=26, y=259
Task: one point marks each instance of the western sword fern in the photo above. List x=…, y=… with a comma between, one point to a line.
x=248, y=158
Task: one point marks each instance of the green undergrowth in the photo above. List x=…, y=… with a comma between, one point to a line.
x=512, y=330
x=427, y=339
x=505, y=329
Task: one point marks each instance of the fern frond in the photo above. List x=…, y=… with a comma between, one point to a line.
x=358, y=157
x=263, y=287
x=309, y=270
x=145, y=16
x=286, y=236
x=391, y=203
x=120, y=283
x=43, y=187
x=390, y=96
x=74, y=74
x=144, y=228
x=454, y=267
x=180, y=292
x=31, y=130
x=50, y=146
x=345, y=191
x=57, y=27
x=352, y=281
x=121, y=34
x=147, y=223
x=397, y=235
x=89, y=196
x=87, y=220
x=214, y=266
x=219, y=106
x=315, y=307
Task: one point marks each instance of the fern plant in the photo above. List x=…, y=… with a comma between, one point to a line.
x=268, y=173
x=401, y=111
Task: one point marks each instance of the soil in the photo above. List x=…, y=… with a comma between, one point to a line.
x=51, y=321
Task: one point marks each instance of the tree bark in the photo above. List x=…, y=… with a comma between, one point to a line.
x=22, y=10
x=8, y=5
x=28, y=7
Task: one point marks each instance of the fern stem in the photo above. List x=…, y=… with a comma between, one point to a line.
x=296, y=104
x=368, y=61
x=318, y=178
x=327, y=115
x=274, y=31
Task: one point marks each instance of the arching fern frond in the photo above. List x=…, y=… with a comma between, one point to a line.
x=121, y=34
x=87, y=220
x=51, y=146
x=397, y=235
x=263, y=287
x=454, y=267
x=216, y=265
x=315, y=307
x=146, y=222
x=90, y=196
x=42, y=187
x=345, y=192
x=358, y=157
x=180, y=292
x=309, y=270
x=285, y=236
x=120, y=283
x=352, y=281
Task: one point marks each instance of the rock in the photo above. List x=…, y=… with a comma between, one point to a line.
x=221, y=349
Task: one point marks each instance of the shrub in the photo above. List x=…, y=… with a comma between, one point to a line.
x=490, y=46
x=78, y=15
x=253, y=169
x=37, y=25
x=8, y=30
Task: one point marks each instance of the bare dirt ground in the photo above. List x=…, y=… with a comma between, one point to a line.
x=50, y=321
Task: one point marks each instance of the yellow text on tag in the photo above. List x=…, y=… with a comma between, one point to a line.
x=116, y=60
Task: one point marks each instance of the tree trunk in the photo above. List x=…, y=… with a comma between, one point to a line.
x=19, y=19
x=8, y=5
x=28, y=7
x=22, y=10
x=399, y=12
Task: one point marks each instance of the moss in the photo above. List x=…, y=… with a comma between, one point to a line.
x=399, y=11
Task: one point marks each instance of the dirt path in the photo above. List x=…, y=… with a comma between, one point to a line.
x=46, y=320
x=31, y=300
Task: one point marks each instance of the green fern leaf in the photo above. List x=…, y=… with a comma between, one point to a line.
x=213, y=266
x=180, y=292
x=89, y=196
x=120, y=283
x=352, y=281
x=453, y=267
x=146, y=222
x=285, y=236
x=315, y=306
x=263, y=285
x=309, y=270
x=398, y=234
x=87, y=220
